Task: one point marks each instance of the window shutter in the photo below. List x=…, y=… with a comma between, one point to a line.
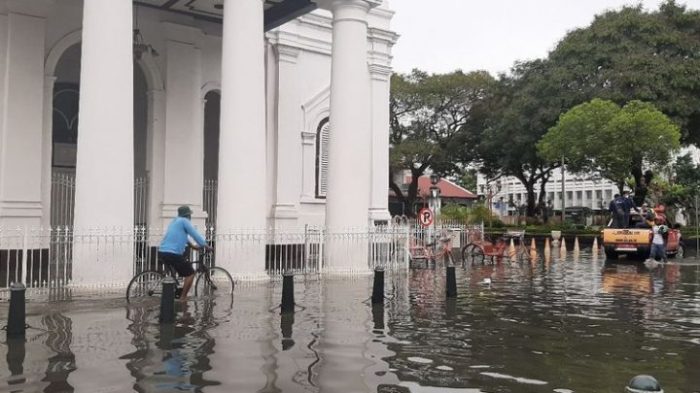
x=324, y=135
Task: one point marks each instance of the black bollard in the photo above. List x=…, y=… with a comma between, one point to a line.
x=167, y=300
x=287, y=330
x=15, y=357
x=16, y=319
x=378, y=288
x=287, y=292
x=643, y=384
x=451, y=282
x=378, y=318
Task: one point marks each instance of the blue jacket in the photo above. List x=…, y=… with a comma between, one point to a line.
x=175, y=239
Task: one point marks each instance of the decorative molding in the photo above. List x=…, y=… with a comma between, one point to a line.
x=380, y=72
x=316, y=109
x=210, y=86
x=308, y=138
x=287, y=53
x=35, y=8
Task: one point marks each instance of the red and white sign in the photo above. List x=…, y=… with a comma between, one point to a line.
x=426, y=217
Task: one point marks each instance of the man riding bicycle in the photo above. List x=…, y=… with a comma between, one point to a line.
x=172, y=248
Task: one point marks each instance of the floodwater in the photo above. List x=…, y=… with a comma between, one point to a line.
x=572, y=324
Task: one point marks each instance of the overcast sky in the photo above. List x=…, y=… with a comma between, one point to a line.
x=445, y=35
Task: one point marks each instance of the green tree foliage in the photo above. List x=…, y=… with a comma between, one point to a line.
x=631, y=54
x=429, y=115
x=686, y=184
x=599, y=136
x=468, y=180
x=475, y=214
x=521, y=109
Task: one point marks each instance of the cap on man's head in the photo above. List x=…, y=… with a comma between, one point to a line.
x=184, y=211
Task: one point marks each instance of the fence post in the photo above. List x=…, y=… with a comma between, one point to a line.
x=25, y=259
x=307, y=249
x=17, y=315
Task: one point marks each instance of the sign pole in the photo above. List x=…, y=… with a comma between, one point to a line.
x=697, y=230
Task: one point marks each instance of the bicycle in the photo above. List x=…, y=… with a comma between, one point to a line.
x=430, y=251
x=208, y=280
x=478, y=250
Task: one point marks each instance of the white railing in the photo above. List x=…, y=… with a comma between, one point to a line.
x=43, y=259
x=63, y=199
x=209, y=201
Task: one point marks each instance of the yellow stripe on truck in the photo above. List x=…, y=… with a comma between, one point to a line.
x=627, y=236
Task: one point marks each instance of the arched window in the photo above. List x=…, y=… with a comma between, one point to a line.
x=322, y=135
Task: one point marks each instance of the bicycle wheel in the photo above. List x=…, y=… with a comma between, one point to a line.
x=215, y=280
x=145, y=285
x=468, y=251
x=477, y=255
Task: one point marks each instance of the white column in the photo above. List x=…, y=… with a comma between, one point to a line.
x=156, y=155
x=350, y=150
x=242, y=158
x=184, y=134
x=379, y=196
x=21, y=126
x=104, y=195
x=288, y=149
x=46, y=151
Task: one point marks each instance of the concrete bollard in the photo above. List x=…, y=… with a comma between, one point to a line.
x=451, y=281
x=167, y=300
x=644, y=384
x=378, y=287
x=16, y=325
x=287, y=293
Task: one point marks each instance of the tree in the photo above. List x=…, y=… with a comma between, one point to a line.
x=468, y=180
x=686, y=185
x=599, y=136
x=521, y=109
x=428, y=115
x=631, y=54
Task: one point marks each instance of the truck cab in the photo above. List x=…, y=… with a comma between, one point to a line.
x=636, y=242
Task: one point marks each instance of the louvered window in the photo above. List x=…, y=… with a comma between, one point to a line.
x=322, y=136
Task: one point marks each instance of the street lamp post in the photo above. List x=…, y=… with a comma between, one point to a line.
x=435, y=193
x=489, y=191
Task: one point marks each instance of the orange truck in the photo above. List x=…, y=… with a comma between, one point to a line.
x=636, y=242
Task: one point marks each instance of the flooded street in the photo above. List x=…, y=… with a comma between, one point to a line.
x=574, y=324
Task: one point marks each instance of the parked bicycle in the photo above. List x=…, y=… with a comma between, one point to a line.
x=439, y=248
x=208, y=281
x=479, y=248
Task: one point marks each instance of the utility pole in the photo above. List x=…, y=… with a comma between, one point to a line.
x=563, y=192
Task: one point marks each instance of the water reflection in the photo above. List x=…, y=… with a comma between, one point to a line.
x=556, y=325
x=58, y=339
x=171, y=357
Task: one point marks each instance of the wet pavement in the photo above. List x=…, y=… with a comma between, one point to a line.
x=572, y=324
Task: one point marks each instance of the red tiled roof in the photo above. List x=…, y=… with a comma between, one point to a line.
x=447, y=188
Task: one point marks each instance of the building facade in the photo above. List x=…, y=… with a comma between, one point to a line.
x=508, y=193
x=117, y=112
x=259, y=114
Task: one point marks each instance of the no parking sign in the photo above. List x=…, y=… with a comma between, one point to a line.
x=426, y=216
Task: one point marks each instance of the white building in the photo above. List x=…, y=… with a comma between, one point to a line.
x=115, y=112
x=580, y=191
x=588, y=191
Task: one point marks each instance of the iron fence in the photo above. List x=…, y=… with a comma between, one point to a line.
x=45, y=259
